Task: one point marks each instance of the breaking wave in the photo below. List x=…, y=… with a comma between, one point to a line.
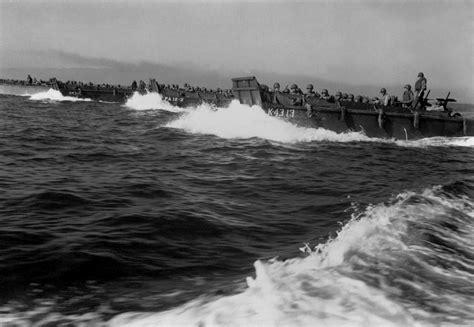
x=409, y=262
x=54, y=95
x=241, y=121
x=150, y=101
x=439, y=141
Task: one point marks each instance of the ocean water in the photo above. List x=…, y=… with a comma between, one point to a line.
x=145, y=214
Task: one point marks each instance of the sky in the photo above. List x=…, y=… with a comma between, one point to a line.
x=354, y=43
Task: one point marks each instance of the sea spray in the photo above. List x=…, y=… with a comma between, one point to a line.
x=393, y=264
x=55, y=95
x=241, y=121
x=150, y=101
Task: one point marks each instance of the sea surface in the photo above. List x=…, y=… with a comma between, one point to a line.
x=145, y=214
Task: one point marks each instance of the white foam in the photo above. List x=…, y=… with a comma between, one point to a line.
x=325, y=287
x=439, y=141
x=55, y=95
x=150, y=101
x=243, y=122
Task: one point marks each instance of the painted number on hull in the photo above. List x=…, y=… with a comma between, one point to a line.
x=174, y=99
x=281, y=112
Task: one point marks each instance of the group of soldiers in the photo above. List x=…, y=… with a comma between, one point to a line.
x=141, y=86
x=409, y=99
x=29, y=81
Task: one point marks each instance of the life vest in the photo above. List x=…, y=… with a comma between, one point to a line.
x=419, y=84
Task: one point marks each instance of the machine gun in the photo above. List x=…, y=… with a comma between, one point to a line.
x=444, y=102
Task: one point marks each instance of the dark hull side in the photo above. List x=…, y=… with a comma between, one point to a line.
x=97, y=94
x=179, y=98
x=183, y=99
x=375, y=123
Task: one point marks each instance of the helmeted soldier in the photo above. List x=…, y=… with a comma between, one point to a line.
x=350, y=97
x=338, y=96
x=310, y=91
x=294, y=89
x=325, y=94
x=408, y=96
x=384, y=98
x=420, y=88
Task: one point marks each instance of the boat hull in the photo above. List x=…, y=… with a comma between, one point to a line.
x=375, y=123
x=22, y=89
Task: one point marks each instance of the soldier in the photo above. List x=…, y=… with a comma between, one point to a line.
x=276, y=87
x=344, y=96
x=294, y=89
x=351, y=98
x=310, y=92
x=420, y=88
x=325, y=95
x=358, y=99
x=338, y=96
x=385, y=98
x=408, y=97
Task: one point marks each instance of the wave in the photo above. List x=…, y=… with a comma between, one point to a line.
x=150, y=101
x=241, y=121
x=409, y=262
x=439, y=141
x=54, y=95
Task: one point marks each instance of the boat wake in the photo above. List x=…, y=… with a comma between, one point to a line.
x=243, y=122
x=150, y=101
x=54, y=95
x=409, y=262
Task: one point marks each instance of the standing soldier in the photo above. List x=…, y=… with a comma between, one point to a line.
x=420, y=87
x=408, y=97
x=385, y=98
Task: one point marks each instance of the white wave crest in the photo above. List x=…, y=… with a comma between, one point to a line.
x=55, y=95
x=439, y=141
x=362, y=277
x=149, y=101
x=241, y=121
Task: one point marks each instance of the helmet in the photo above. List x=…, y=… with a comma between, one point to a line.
x=351, y=96
x=420, y=74
x=408, y=86
x=309, y=87
x=344, y=95
x=324, y=91
x=383, y=90
x=338, y=93
x=293, y=87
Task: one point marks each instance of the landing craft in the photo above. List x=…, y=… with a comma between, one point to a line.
x=11, y=86
x=373, y=120
x=393, y=121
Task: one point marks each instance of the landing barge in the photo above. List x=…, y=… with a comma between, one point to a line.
x=20, y=87
x=373, y=120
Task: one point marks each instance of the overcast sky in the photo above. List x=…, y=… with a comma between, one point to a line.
x=359, y=42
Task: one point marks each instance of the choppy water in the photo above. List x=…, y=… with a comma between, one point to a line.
x=147, y=214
